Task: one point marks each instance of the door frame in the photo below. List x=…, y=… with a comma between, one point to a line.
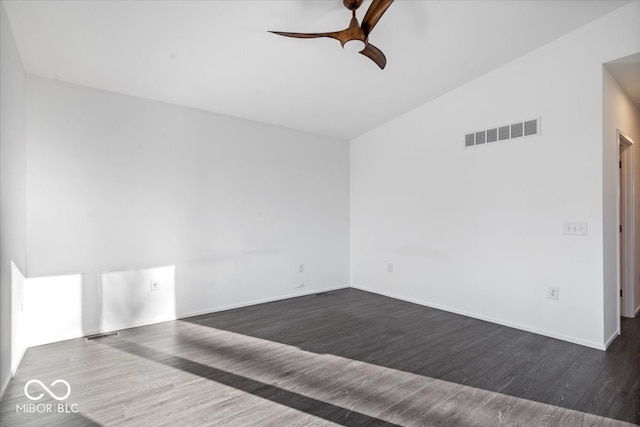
x=625, y=216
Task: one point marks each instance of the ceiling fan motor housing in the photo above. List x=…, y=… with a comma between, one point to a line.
x=352, y=4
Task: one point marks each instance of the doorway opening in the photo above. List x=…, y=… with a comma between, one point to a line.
x=626, y=226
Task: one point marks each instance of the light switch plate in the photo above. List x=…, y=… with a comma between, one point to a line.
x=577, y=228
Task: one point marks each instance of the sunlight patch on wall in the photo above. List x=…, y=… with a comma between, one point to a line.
x=137, y=297
x=52, y=309
x=18, y=345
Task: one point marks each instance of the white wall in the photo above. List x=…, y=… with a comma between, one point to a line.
x=18, y=338
x=119, y=183
x=618, y=113
x=51, y=309
x=128, y=298
x=480, y=231
x=12, y=183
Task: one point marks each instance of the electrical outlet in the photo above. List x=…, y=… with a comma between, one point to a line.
x=390, y=267
x=553, y=292
x=155, y=285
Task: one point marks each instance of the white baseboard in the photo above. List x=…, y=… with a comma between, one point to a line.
x=217, y=309
x=14, y=369
x=611, y=338
x=120, y=326
x=206, y=311
x=3, y=387
x=260, y=301
x=526, y=328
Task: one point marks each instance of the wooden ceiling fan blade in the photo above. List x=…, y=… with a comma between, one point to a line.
x=305, y=35
x=375, y=54
x=373, y=15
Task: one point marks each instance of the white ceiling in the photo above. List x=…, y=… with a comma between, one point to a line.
x=217, y=55
x=626, y=71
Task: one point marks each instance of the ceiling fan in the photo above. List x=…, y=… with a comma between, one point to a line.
x=355, y=38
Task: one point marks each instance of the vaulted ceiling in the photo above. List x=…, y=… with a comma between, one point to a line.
x=626, y=71
x=218, y=56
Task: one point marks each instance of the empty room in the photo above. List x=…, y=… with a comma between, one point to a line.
x=319, y=212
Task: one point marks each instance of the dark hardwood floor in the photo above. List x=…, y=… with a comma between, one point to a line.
x=346, y=357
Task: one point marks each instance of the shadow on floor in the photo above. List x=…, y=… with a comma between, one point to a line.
x=395, y=334
x=318, y=408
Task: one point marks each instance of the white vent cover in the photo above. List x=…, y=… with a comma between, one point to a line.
x=521, y=129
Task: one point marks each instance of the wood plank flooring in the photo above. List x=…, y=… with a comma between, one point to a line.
x=346, y=357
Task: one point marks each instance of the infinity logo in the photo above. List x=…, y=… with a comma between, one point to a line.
x=52, y=394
